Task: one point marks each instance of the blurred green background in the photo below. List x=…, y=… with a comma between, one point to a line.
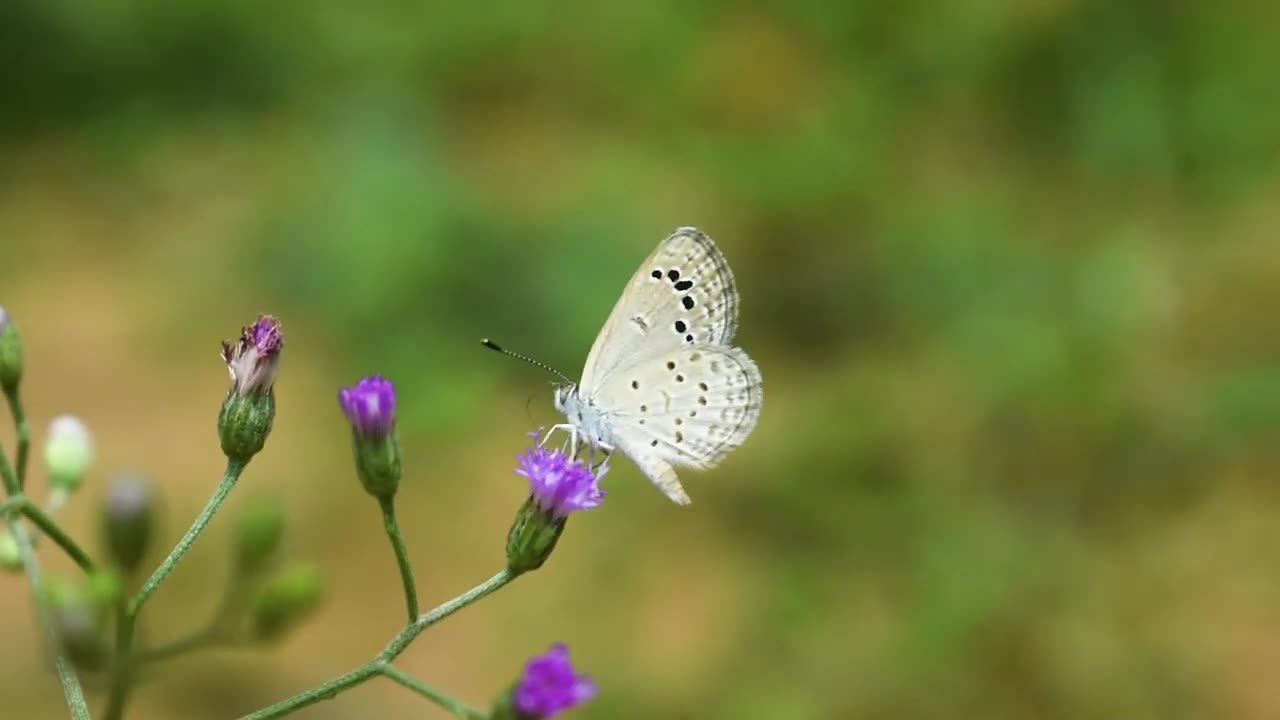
x=1008, y=266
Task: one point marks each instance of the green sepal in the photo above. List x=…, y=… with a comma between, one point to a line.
x=532, y=537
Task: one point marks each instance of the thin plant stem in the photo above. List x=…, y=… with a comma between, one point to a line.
x=392, y=527
x=234, y=468
x=55, y=532
x=11, y=487
x=66, y=671
x=453, y=705
x=325, y=691
x=24, y=433
x=13, y=503
x=127, y=616
x=377, y=666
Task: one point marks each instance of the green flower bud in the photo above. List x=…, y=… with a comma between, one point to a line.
x=285, y=600
x=127, y=520
x=79, y=622
x=10, y=555
x=244, y=423
x=10, y=353
x=378, y=464
x=260, y=527
x=532, y=537
x=68, y=451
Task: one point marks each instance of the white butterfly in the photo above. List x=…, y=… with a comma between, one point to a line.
x=662, y=383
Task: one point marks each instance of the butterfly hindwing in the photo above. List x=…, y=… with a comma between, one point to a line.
x=683, y=295
x=687, y=407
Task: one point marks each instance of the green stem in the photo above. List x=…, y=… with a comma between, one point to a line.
x=66, y=671
x=122, y=676
x=453, y=705
x=122, y=670
x=392, y=527
x=55, y=532
x=431, y=617
x=12, y=504
x=377, y=666
x=327, y=691
x=234, y=468
x=24, y=433
x=11, y=487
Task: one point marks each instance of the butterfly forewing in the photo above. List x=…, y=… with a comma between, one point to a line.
x=683, y=295
x=687, y=407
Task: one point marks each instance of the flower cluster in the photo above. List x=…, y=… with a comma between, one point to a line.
x=560, y=484
x=370, y=407
x=254, y=359
x=550, y=686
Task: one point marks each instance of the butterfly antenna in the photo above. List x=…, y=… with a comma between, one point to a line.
x=498, y=348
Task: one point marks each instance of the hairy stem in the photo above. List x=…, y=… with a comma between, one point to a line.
x=392, y=527
x=24, y=433
x=66, y=671
x=127, y=618
x=234, y=468
x=55, y=533
x=453, y=705
x=378, y=665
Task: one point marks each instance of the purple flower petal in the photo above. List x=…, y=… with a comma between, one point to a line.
x=559, y=484
x=370, y=406
x=254, y=359
x=549, y=685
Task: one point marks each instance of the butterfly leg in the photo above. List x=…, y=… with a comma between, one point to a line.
x=562, y=426
x=608, y=453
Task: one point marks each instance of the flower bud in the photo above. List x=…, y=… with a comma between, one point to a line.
x=558, y=486
x=79, y=622
x=127, y=520
x=370, y=406
x=68, y=451
x=285, y=600
x=10, y=353
x=532, y=537
x=10, y=554
x=244, y=423
x=258, y=532
x=249, y=409
x=548, y=687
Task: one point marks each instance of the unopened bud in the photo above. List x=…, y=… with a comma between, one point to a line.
x=260, y=527
x=78, y=621
x=68, y=451
x=128, y=515
x=370, y=406
x=10, y=353
x=285, y=600
x=10, y=554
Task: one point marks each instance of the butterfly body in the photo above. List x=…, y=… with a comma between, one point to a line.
x=663, y=384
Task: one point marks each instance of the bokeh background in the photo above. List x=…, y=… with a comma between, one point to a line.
x=1009, y=268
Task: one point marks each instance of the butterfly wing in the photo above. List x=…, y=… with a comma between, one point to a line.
x=682, y=295
x=686, y=407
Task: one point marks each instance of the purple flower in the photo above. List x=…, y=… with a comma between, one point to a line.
x=559, y=484
x=550, y=686
x=4, y=319
x=370, y=406
x=254, y=359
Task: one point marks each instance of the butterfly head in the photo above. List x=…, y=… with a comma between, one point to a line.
x=566, y=397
